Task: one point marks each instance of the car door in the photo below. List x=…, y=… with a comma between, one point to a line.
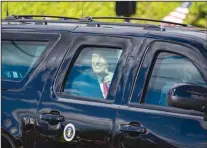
x=23, y=57
x=145, y=120
x=73, y=111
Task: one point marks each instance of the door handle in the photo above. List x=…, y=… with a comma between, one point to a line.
x=52, y=118
x=132, y=128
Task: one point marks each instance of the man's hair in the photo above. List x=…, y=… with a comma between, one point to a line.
x=111, y=56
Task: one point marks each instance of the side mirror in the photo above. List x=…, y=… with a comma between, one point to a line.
x=188, y=96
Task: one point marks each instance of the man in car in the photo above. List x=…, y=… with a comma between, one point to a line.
x=94, y=78
x=101, y=69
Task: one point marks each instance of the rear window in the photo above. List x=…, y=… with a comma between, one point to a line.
x=18, y=57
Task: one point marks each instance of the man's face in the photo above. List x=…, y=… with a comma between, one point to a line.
x=99, y=64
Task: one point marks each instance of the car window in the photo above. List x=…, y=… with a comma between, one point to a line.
x=170, y=69
x=92, y=72
x=18, y=57
x=205, y=54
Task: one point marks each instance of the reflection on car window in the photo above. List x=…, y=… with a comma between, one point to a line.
x=18, y=57
x=205, y=54
x=169, y=70
x=92, y=72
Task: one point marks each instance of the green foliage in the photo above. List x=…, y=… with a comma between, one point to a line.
x=198, y=14
x=155, y=10
x=152, y=10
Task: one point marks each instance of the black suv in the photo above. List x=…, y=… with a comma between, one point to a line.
x=77, y=83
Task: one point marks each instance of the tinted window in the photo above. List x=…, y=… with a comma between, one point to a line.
x=168, y=70
x=92, y=72
x=205, y=54
x=18, y=57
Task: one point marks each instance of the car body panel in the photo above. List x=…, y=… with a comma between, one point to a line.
x=98, y=122
x=145, y=125
x=89, y=116
x=20, y=106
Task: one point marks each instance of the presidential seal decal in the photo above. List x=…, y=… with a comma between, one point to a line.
x=69, y=132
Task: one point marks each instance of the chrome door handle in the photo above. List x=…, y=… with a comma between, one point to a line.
x=51, y=117
x=132, y=128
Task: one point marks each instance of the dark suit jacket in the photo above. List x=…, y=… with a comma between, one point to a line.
x=83, y=82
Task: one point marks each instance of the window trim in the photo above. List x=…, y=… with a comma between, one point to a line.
x=50, y=38
x=167, y=109
x=69, y=97
x=75, y=57
x=70, y=66
x=150, y=65
x=124, y=44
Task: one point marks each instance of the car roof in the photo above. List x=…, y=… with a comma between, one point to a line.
x=191, y=31
x=37, y=27
x=88, y=24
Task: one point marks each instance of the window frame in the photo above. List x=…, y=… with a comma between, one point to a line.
x=50, y=38
x=146, y=69
x=81, y=48
x=124, y=44
x=150, y=72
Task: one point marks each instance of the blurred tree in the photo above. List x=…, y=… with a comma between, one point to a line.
x=197, y=14
x=153, y=10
